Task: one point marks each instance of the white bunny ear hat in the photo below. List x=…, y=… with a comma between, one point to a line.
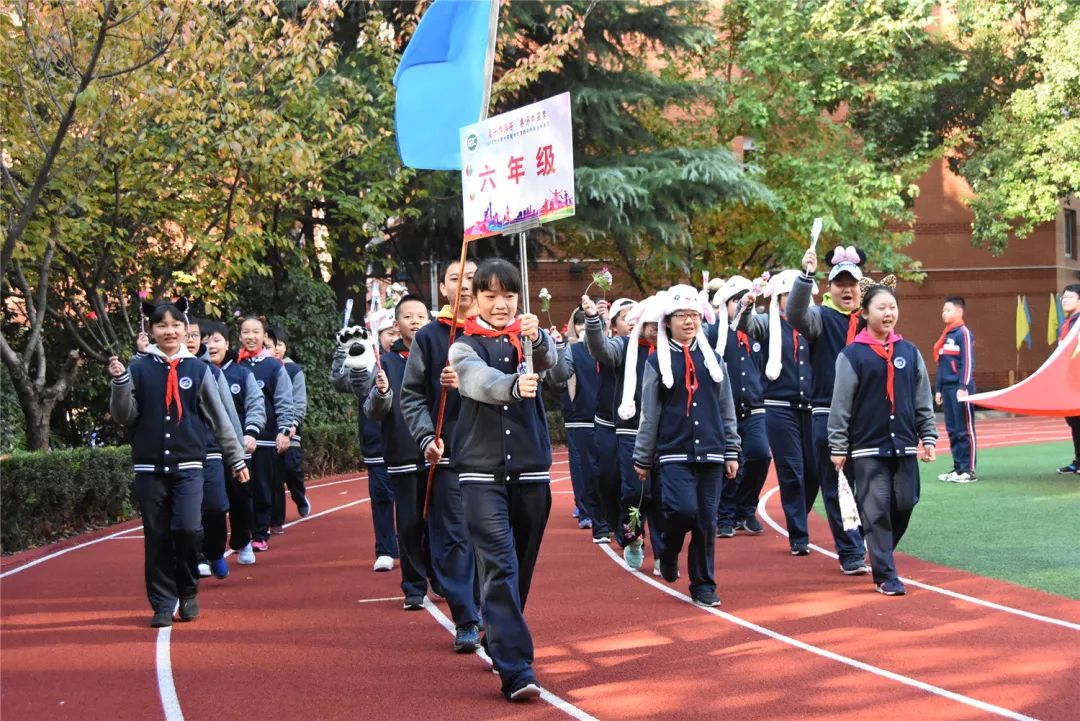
x=686, y=297
x=779, y=284
x=618, y=306
x=732, y=286
x=650, y=310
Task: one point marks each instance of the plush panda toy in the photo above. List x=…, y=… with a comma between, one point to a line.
x=359, y=347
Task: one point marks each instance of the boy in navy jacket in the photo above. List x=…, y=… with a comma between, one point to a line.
x=954, y=354
x=408, y=469
x=502, y=452
x=292, y=460
x=170, y=400
x=688, y=429
x=830, y=328
x=881, y=410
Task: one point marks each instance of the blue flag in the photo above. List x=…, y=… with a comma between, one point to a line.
x=1027, y=314
x=444, y=81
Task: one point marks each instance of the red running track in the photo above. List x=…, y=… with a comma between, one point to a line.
x=304, y=634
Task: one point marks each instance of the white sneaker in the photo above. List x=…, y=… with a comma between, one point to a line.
x=384, y=563
x=945, y=476
x=204, y=570
x=246, y=556
x=963, y=478
x=656, y=567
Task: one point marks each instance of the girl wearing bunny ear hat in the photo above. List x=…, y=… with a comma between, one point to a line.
x=830, y=328
x=787, y=408
x=688, y=432
x=627, y=357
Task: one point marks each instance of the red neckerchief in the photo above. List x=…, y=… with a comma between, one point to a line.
x=744, y=340
x=795, y=343
x=885, y=351
x=690, y=376
x=646, y=344
x=852, y=328
x=172, y=389
x=245, y=354
x=512, y=332
x=1067, y=326
x=941, y=341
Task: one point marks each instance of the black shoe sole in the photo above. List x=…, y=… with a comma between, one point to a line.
x=161, y=622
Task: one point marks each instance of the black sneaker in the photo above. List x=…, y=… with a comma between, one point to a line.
x=189, y=609
x=708, y=599
x=413, y=603
x=725, y=530
x=750, y=525
x=467, y=638
x=800, y=549
x=1071, y=468
x=525, y=690
x=854, y=567
x=162, y=619
x=669, y=571
x=304, y=509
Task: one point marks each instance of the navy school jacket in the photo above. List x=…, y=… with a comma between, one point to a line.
x=611, y=354
x=746, y=369
x=299, y=390
x=358, y=382
x=677, y=429
x=422, y=389
x=827, y=330
x=167, y=440
x=213, y=448
x=500, y=437
x=400, y=452
x=956, y=361
x=246, y=397
x=575, y=362
x=793, y=388
x=862, y=422
x=273, y=381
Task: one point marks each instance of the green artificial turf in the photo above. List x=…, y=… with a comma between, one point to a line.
x=1020, y=522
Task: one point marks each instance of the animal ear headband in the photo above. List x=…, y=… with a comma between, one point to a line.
x=850, y=254
x=148, y=308
x=867, y=283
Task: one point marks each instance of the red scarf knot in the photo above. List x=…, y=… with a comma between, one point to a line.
x=690, y=376
x=647, y=344
x=744, y=340
x=245, y=354
x=884, y=350
x=945, y=334
x=172, y=389
x=511, y=332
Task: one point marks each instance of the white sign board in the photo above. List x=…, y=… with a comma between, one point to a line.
x=517, y=169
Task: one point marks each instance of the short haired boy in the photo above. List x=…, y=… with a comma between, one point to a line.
x=954, y=354
x=1070, y=304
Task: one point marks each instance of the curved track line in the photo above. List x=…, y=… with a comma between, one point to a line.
x=170, y=702
x=49, y=557
x=832, y=656
x=926, y=586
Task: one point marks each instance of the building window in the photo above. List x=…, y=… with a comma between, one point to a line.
x=1070, y=233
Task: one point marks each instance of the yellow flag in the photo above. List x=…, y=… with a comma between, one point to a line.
x=1052, y=323
x=1023, y=328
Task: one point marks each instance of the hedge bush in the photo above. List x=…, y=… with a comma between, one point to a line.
x=331, y=448
x=48, y=496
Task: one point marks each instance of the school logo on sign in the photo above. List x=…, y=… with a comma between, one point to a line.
x=185, y=383
x=900, y=363
x=235, y=389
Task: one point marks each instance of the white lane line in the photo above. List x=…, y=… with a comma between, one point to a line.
x=832, y=656
x=557, y=701
x=379, y=600
x=337, y=483
x=170, y=702
x=926, y=586
x=57, y=554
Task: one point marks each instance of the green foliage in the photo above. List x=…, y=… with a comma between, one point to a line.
x=11, y=417
x=1023, y=156
x=331, y=449
x=48, y=496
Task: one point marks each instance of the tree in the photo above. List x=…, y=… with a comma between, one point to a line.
x=153, y=150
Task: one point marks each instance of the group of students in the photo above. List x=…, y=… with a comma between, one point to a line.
x=673, y=416
x=215, y=440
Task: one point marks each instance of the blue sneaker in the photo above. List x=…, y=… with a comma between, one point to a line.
x=892, y=587
x=633, y=555
x=220, y=568
x=584, y=523
x=576, y=513
x=304, y=509
x=1071, y=468
x=467, y=638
